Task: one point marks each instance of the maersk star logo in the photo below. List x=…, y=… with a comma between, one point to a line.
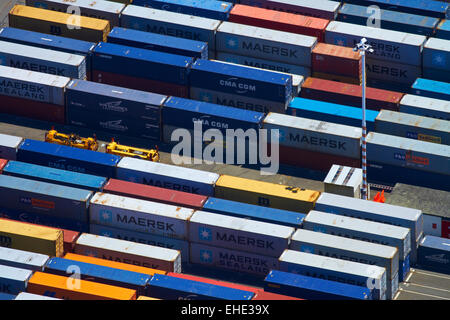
x=439, y=60
x=105, y=216
x=205, y=234
x=106, y=233
x=232, y=43
x=340, y=41
x=206, y=256
x=307, y=249
x=90, y=253
x=320, y=229
x=205, y=97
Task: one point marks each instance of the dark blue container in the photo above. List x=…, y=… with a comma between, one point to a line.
x=211, y=9
x=142, y=63
x=434, y=254
x=100, y=274
x=52, y=175
x=110, y=100
x=443, y=30
x=241, y=80
x=404, y=268
x=431, y=89
x=309, y=288
x=172, y=288
x=68, y=158
x=253, y=212
x=49, y=41
x=6, y=296
x=158, y=42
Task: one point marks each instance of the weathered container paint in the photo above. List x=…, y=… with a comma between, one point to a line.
x=337, y=60
x=9, y=145
x=13, y=280
x=426, y=107
x=392, y=72
x=22, y=259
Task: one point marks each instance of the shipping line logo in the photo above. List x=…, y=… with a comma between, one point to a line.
x=206, y=256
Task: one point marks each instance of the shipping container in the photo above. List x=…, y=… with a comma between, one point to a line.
x=404, y=268
x=170, y=23
x=128, y=252
x=113, y=264
x=13, y=280
x=328, y=268
x=265, y=194
x=313, y=288
x=443, y=30
x=257, y=237
x=145, y=238
x=99, y=274
x=219, y=10
x=3, y=163
x=392, y=72
x=139, y=215
x=359, y=229
x=254, y=212
x=317, y=136
x=337, y=60
x=232, y=260
x=9, y=145
x=388, y=19
x=264, y=295
x=413, y=127
x=56, y=286
x=331, y=112
x=68, y=158
x=32, y=238
x=31, y=85
x=298, y=72
x=431, y=89
x=315, y=8
x=281, y=21
x=265, y=43
x=6, y=296
x=336, y=77
x=56, y=176
x=31, y=296
x=349, y=94
x=146, y=298
x=426, y=107
x=58, y=23
x=434, y=254
x=32, y=196
x=105, y=10
x=388, y=45
x=436, y=55
x=436, y=74
x=158, y=42
x=346, y=181
x=167, y=176
x=172, y=288
x=22, y=259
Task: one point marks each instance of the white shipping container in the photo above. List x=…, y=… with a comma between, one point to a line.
x=22, y=259
x=139, y=215
x=13, y=280
x=314, y=135
x=265, y=43
x=37, y=86
x=8, y=146
x=424, y=106
x=32, y=296
x=343, y=180
x=128, y=252
x=238, y=233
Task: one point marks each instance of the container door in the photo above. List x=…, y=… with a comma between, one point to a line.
x=446, y=229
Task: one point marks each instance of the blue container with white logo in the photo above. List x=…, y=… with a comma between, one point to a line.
x=141, y=63
x=436, y=55
x=434, y=254
x=431, y=89
x=211, y=9
x=172, y=288
x=159, y=42
x=241, y=81
x=68, y=158
x=304, y=287
x=53, y=175
x=443, y=30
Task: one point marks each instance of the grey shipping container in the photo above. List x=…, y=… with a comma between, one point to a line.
x=13, y=280
x=8, y=146
x=345, y=181
x=393, y=72
x=424, y=106
x=32, y=296
x=22, y=259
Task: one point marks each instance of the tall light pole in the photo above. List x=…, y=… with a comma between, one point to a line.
x=362, y=47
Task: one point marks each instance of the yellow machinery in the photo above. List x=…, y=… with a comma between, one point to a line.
x=126, y=151
x=72, y=140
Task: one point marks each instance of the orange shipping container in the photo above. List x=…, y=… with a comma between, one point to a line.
x=336, y=77
x=3, y=163
x=277, y=20
x=337, y=60
x=66, y=288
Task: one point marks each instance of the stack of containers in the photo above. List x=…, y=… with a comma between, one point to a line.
x=425, y=107
x=13, y=280
x=116, y=110
x=9, y=146
x=443, y=30
x=436, y=57
x=397, y=56
x=431, y=89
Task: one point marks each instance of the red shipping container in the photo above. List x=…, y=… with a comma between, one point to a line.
x=445, y=228
x=277, y=20
x=350, y=94
x=3, y=163
x=70, y=237
x=263, y=295
x=32, y=109
x=151, y=193
x=121, y=80
x=337, y=60
x=336, y=77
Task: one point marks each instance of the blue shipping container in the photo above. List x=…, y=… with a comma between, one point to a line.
x=68, y=158
x=404, y=268
x=304, y=287
x=431, y=89
x=253, y=212
x=32, y=196
x=141, y=63
x=171, y=288
x=100, y=274
x=241, y=80
x=211, y=9
x=6, y=296
x=158, y=42
x=443, y=30
x=331, y=112
x=53, y=175
x=434, y=254
x=436, y=55
x=13, y=280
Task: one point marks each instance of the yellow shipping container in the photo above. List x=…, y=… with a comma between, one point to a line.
x=338, y=78
x=33, y=238
x=266, y=194
x=59, y=23
x=146, y=298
